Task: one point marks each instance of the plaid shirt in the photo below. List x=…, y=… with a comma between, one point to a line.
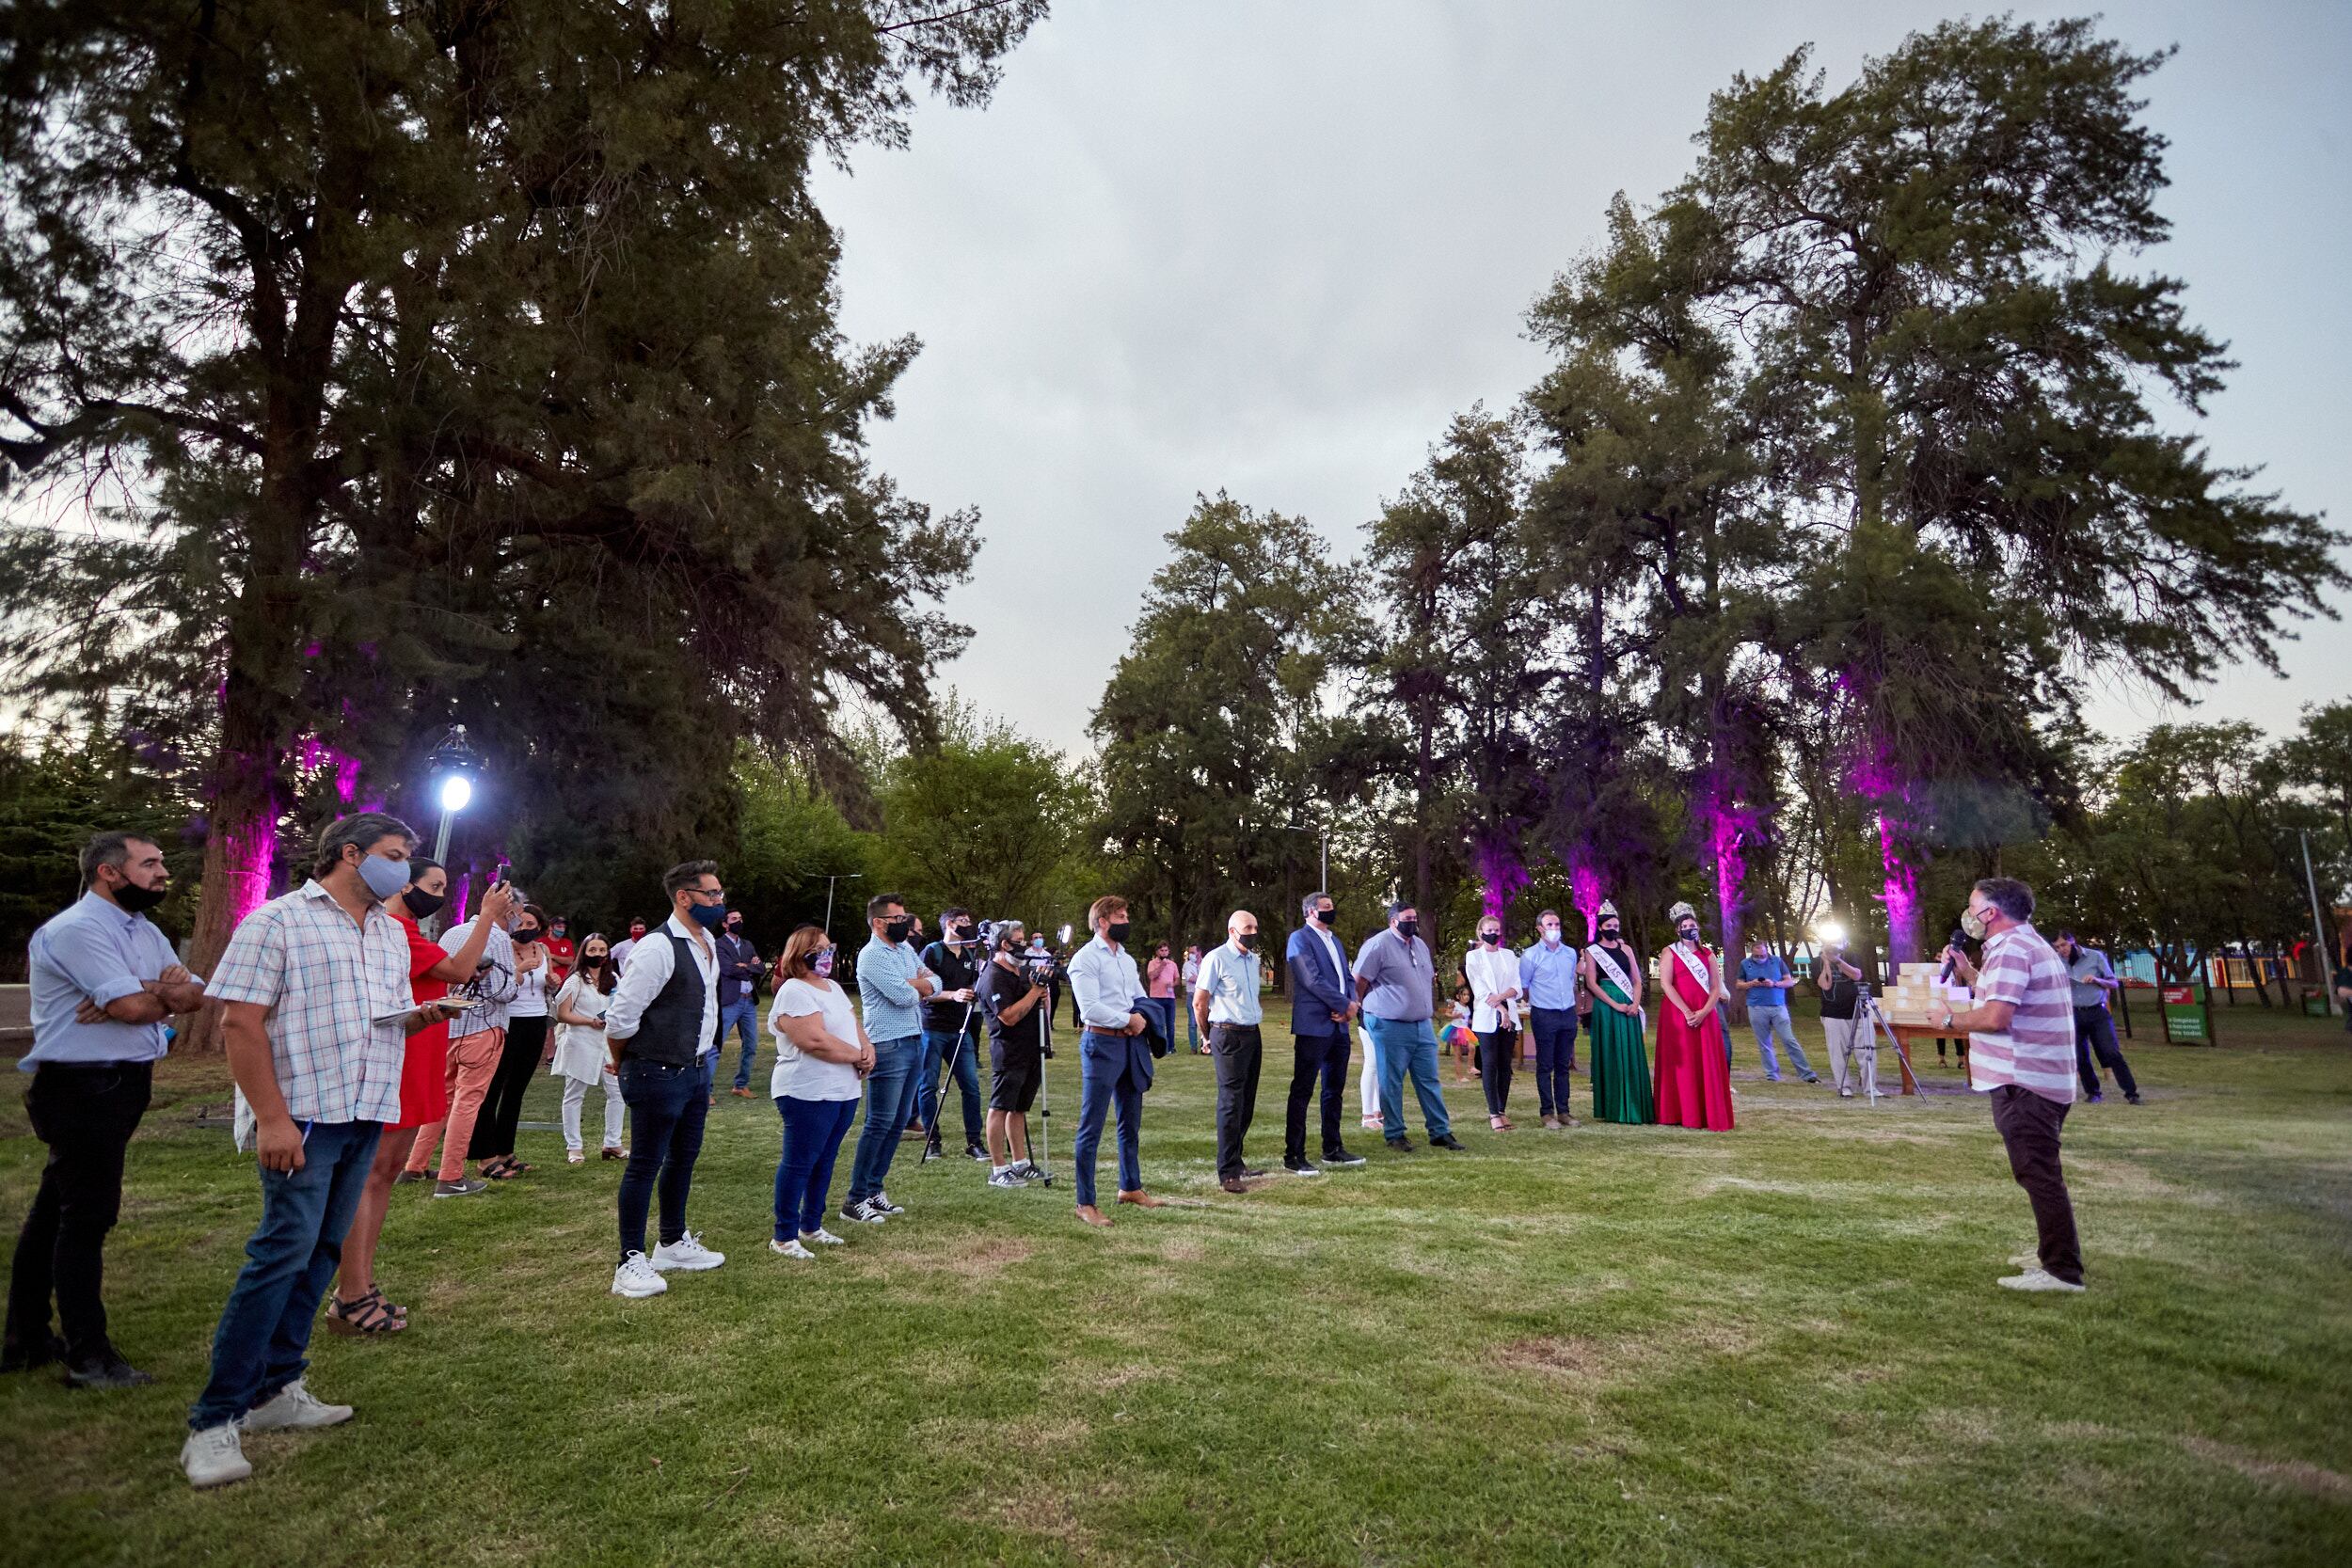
x=336, y=993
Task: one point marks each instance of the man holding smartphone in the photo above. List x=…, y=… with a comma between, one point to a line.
x=314, y=1038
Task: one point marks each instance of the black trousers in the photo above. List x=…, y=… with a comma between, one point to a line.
x=1239, y=1051
x=2094, y=1032
x=2028, y=1126
x=1496, y=1049
x=503, y=1105
x=85, y=1115
x=1313, y=1056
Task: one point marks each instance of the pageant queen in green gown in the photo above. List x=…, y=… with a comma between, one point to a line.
x=1621, y=1080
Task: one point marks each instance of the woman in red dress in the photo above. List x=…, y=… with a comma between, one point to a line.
x=358, y=1306
x=1693, y=1067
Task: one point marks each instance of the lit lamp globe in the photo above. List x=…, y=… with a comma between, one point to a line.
x=456, y=792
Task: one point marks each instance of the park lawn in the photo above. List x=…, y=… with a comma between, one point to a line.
x=1781, y=1345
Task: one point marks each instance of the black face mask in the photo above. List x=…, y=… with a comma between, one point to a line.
x=593, y=960
x=139, y=899
x=421, y=904
x=1325, y=917
x=1409, y=930
x=1490, y=937
x=898, y=930
x=1609, y=933
x=1688, y=933
x=1248, y=940
x=1117, y=931
x=529, y=933
x=960, y=932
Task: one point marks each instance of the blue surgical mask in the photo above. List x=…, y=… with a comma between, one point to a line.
x=710, y=917
x=384, y=877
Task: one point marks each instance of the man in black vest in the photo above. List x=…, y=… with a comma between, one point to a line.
x=663, y=1016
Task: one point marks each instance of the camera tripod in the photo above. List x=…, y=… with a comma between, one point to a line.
x=1038, y=1170
x=931, y=1149
x=1873, y=1022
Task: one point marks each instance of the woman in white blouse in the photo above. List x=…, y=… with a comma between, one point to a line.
x=822, y=1057
x=582, y=1059
x=1493, y=972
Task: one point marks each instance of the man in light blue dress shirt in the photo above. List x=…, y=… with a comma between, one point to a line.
x=1547, y=973
x=104, y=980
x=1225, y=1002
x=892, y=987
x=1114, y=1063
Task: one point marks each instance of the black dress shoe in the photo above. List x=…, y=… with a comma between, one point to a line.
x=110, y=1372
x=1401, y=1145
x=1449, y=1141
x=25, y=1359
x=974, y=1151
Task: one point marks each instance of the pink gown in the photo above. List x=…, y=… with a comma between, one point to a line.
x=1694, y=1077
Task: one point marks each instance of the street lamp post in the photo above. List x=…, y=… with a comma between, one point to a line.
x=831, y=878
x=453, y=763
x=2319, y=926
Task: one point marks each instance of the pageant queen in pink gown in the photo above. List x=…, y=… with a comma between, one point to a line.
x=1693, y=1067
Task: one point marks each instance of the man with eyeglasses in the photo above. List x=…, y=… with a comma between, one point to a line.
x=662, y=1020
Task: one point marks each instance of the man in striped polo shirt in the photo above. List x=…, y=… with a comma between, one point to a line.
x=2021, y=1048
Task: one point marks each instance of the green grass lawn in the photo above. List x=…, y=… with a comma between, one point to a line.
x=1609, y=1345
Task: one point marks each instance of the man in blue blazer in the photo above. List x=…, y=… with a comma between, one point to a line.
x=1323, y=1007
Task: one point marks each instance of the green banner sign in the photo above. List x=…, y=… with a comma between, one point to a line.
x=2186, y=1021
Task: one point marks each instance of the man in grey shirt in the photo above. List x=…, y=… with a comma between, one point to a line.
x=1396, y=980
x=2091, y=978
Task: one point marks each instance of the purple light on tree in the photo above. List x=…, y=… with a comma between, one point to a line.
x=1874, y=777
x=316, y=755
x=1584, y=889
x=1499, y=869
x=248, y=856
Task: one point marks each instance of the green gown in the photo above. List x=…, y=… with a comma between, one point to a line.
x=1621, y=1084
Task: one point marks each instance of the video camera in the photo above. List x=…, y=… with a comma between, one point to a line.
x=1039, y=967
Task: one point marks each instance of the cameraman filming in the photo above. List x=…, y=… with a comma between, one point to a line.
x=951, y=1027
x=1011, y=991
x=1840, y=984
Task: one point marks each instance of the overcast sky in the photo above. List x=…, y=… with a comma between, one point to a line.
x=1270, y=248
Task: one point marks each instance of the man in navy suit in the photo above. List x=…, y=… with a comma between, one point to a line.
x=1323, y=1005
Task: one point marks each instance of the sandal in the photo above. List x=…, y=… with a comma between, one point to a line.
x=498, y=1171
x=368, y=1315
x=573, y=1157
x=1501, y=1124
x=614, y=1152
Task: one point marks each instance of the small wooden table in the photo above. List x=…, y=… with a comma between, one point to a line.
x=1910, y=1033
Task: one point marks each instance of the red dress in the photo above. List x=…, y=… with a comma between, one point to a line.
x=423, y=1069
x=1694, y=1073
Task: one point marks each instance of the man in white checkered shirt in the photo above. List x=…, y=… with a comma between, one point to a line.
x=317, y=1006
x=2021, y=1051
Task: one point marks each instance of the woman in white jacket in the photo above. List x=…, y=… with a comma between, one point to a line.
x=581, y=1057
x=1493, y=972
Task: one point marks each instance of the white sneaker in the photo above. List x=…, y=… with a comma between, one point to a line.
x=790, y=1249
x=212, y=1457
x=686, y=1253
x=636, y=1279
x=2037, y=1279
x=295, y=1408
x=822, y=1237
x=1007, y=1179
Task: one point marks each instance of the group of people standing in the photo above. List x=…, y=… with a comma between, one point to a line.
x=359, y=1045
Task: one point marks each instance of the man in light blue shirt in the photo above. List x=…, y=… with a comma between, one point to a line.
x=1766, y=979
x=1548, y=973
x=1396, y=982
x=103, y=979
x=1114, y=1063
x=1225, y=1001
x=891, y=986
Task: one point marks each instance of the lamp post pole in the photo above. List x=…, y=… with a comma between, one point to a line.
x=831, y=878
x=2319, y=926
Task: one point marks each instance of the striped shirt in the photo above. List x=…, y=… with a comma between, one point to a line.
x=337, y=990
x=2037, y=1052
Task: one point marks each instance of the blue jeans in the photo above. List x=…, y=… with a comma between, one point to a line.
x=1407, y=1049
x=889, y=1105
x=1555, y=1056
x=936, y=1044
x=813, y=1130
x=669, y=1105
x=1768, y=1022
x=265, y=1329
x=741, y=1017
x=1107, y=1082
x=1192, y=1024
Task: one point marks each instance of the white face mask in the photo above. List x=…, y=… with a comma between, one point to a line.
x=1551, y=936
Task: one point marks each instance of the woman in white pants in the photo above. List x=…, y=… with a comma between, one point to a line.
x=582, y=1057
